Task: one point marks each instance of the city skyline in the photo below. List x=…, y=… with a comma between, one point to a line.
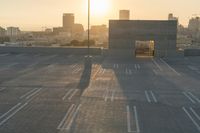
x=47, y=13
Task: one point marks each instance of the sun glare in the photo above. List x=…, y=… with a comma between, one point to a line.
x=99, y=7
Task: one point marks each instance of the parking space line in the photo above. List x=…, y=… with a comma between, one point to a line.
x=155, y=72
x=194, y=97
x=170, y=67
x=106, y=95
x=70, y=116
x=154, y=98
x=73, y=117
x=2, y=55
x=34, y=93
x=13, y=108
x=158, y=66
x=74, y=92
x=135, y=67
x=194, y=112
x=138, y=65
x=147, y=97
x=67, y=94
x=26, y=94
x=113, y=96
x=129, y=119
x=11, y=115
x=96, y=72
x=65, y=117
x=191, y=118
x=136, y=118
x=189, y=97
x=2, y=89
x=150, y=96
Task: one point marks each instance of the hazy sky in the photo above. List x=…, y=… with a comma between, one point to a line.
x=35, y=14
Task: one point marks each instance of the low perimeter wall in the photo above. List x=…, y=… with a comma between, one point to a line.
x=192, y=52
x=45, y=50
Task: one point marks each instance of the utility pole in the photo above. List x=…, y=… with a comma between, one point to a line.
x=88, y=28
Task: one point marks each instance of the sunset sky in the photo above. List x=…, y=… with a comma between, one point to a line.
x=35, y=14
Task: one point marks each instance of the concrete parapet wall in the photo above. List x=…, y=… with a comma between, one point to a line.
x=45, y=50
x=192, y=52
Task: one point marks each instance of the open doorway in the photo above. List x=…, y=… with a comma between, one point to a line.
x=144, y=48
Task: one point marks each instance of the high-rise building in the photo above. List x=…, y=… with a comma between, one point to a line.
x=2, y=31
x=124, y=14
x=68, y=21
x=171, y=17
x=12, y=31
x=194, y=24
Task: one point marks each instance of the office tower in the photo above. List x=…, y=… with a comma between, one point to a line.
x=12, y=31
x=68, y=21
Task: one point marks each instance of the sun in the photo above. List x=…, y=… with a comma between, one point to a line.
x=99, y=7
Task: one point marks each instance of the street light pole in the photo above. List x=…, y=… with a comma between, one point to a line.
x=88, y=28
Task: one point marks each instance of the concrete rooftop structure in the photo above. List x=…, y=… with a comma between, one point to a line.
x=123, y=35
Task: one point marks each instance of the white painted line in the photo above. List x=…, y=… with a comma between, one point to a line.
x=11, y=115
x=34, y=93
x=155, y=72
x=130, y=72
x=10, y=110
x=195, y=113
x=67, y=94
x=194, y=122
x=154, y=98
x=135, y=67
x=194, y=97
x=73, y=117
x=106, y=95
x=28, y=93
x=127, y=71
x=2, y=55
x=147, y=97
x=75, y=91
x=189, y=97
x=113, y=96
x=11, y=65
x=159, y=67
x=65, y=117
x=96, y=72
x=20, y=55
x=193, y=68
x=114, y=66
x=128, y=119
x=170, y=67
x=2, y=89
x=138, y=65
x=103, y=71
x=136, y=118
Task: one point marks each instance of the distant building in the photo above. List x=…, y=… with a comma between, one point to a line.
x=124, y=14
x=99, y=29
x=57, y=30
x=68, y=21
x=78, y=29
x=48, y=30
x=99, y=33
x=194, y=24
x=2, y=31
x=13, y=31
x=171, y=17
